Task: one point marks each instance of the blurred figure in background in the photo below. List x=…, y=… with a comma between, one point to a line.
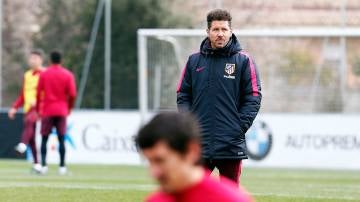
x=27, y=100
x=221, y=86
x=56, y=96
x=171, y=144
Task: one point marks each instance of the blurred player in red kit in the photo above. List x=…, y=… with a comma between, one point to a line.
x=27, y=100
x=56, y=96
x=171, y=144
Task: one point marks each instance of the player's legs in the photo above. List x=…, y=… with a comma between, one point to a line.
x=44, y=140
x=46, y=126
x=230, y=168
x=60, y=124
x=27, y=134
x=28, y=139
x=32, y=144
x=62, y=150
x=209, y=164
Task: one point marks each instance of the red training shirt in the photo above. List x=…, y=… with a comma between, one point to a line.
x=56, y=91
x=208, y=190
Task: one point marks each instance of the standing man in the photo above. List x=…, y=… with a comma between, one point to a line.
x=221, y=86
x=27, y=100
x=171, y=143
x=56, y=96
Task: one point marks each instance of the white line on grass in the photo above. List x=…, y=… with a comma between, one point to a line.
x=149, y=187
x=351, y=198
x=139, y=187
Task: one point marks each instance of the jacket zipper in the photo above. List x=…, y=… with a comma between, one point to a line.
x=212, y=95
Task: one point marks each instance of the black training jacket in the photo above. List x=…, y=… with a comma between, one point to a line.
x=222, y=88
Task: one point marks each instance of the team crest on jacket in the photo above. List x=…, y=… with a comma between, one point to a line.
x=229, y=69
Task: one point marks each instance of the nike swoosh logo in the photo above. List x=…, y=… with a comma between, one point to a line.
x=199, y=69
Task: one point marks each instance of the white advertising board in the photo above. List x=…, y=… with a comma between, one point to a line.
x=329, y=141
x=275, y=140
x=99, y=137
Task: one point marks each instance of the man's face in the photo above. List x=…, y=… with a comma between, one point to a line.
x=167, y=166
x=34, y=61
x=219, y=33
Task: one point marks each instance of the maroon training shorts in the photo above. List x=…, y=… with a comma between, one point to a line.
x=229, y=168
x=57, y=122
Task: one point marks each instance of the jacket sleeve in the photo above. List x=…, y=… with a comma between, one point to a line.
x=184, y=90
x=39, y=93
x=20, y=99
x=71, y=91
x=250, y=98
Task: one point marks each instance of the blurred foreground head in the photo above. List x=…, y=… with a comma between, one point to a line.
x=171, y=144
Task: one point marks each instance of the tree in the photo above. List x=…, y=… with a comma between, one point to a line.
x=68, y=27
x=18, y=25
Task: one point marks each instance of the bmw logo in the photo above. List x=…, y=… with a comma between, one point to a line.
x=258, y=141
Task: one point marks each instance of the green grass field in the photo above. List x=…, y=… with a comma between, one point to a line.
x=131, y=183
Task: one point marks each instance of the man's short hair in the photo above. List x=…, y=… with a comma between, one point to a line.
x=38, y=52
x=176, y=130
x=55, y=57
x=218, y=15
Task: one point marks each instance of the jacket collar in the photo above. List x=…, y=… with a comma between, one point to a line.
x=232, y=47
